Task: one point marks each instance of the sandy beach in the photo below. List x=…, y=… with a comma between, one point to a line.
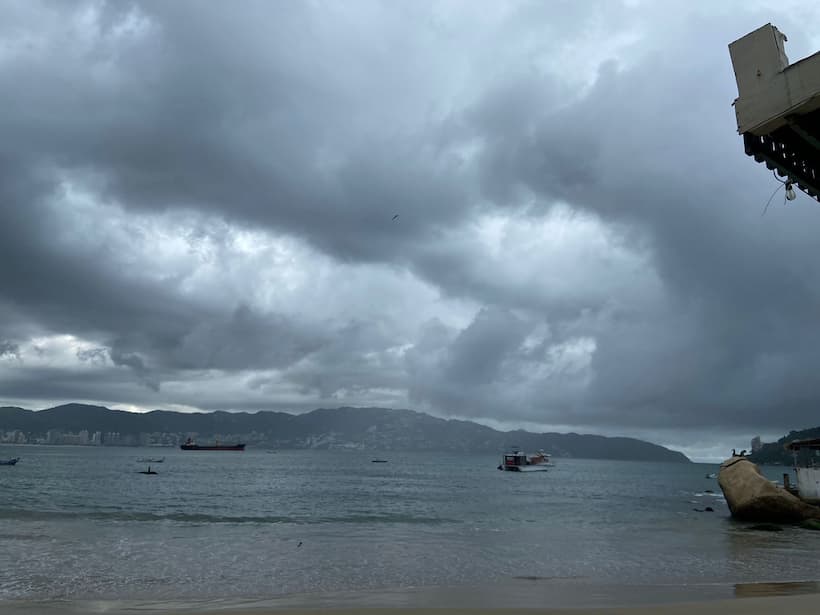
x=747, y=599
x=746, y=606
x=795, y=605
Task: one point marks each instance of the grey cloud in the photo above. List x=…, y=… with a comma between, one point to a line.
x=96, y=356
x=357, y=360
x=476, y=354
x=322, y=125
x=133, y=361
x=9, y=350
x=647, y=147
x=111, y=385
x=188, y=118
x=245, y=340
x=476, y=371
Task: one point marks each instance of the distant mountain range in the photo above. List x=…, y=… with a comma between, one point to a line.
x=775, y=453
x=350, y=428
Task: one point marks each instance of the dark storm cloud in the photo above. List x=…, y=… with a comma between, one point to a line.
x=165, y=110
x=651, y=147
x=354, y=360
x=25, y=382
x=466, y=371
x=134, y=361
x=176, y=114
x=245, y=340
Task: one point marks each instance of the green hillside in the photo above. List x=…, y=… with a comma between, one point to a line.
x=775, y=453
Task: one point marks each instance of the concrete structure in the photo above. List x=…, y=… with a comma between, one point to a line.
x=778, y=107
x=808, y=484
x=808, y=474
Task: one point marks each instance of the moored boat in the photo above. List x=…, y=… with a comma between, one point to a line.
x=9, y=462
x=518, y=461
x=190, y=445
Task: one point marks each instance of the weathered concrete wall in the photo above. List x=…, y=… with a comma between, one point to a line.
x=769, y=88
x=808, y=484
x=752, y=497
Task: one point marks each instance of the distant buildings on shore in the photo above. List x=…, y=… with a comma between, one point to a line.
x=56, y=436
x=109, y=438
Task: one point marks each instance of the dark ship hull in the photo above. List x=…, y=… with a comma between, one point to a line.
x=214, y=447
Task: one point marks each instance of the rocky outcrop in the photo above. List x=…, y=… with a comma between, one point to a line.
x=753, y=497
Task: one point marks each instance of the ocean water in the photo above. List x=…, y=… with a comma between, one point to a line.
x=80, y=523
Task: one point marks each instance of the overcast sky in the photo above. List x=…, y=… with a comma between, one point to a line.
x=198, y=209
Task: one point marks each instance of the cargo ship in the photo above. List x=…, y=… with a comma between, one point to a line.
x=190, y=445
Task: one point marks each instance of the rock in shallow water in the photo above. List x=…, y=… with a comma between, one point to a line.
x=753, y=497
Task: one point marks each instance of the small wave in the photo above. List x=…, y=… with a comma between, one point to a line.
x=7, y=536
x=387, y=518
x=201, y=518
x=535, y=577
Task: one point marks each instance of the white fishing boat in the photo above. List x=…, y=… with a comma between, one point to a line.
x=518, y=461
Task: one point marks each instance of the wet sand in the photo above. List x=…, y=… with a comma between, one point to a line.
x=795, y=598
x=794, y=605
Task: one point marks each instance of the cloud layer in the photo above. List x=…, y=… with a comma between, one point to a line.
x=197, y=210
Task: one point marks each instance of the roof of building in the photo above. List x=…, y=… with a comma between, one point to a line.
x=778, y=107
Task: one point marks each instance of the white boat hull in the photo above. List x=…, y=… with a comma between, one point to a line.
x=542, y=467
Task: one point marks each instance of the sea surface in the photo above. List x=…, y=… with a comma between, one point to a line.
x=314, y=528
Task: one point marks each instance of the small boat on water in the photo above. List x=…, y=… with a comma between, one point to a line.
x=9, y=462
x=190, y=445
x=378, y=461
x=151, y=460
x=517, y=461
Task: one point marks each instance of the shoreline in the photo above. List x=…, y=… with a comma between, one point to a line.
x=518, y=596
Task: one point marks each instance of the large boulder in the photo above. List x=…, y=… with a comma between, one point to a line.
x=753, y=497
